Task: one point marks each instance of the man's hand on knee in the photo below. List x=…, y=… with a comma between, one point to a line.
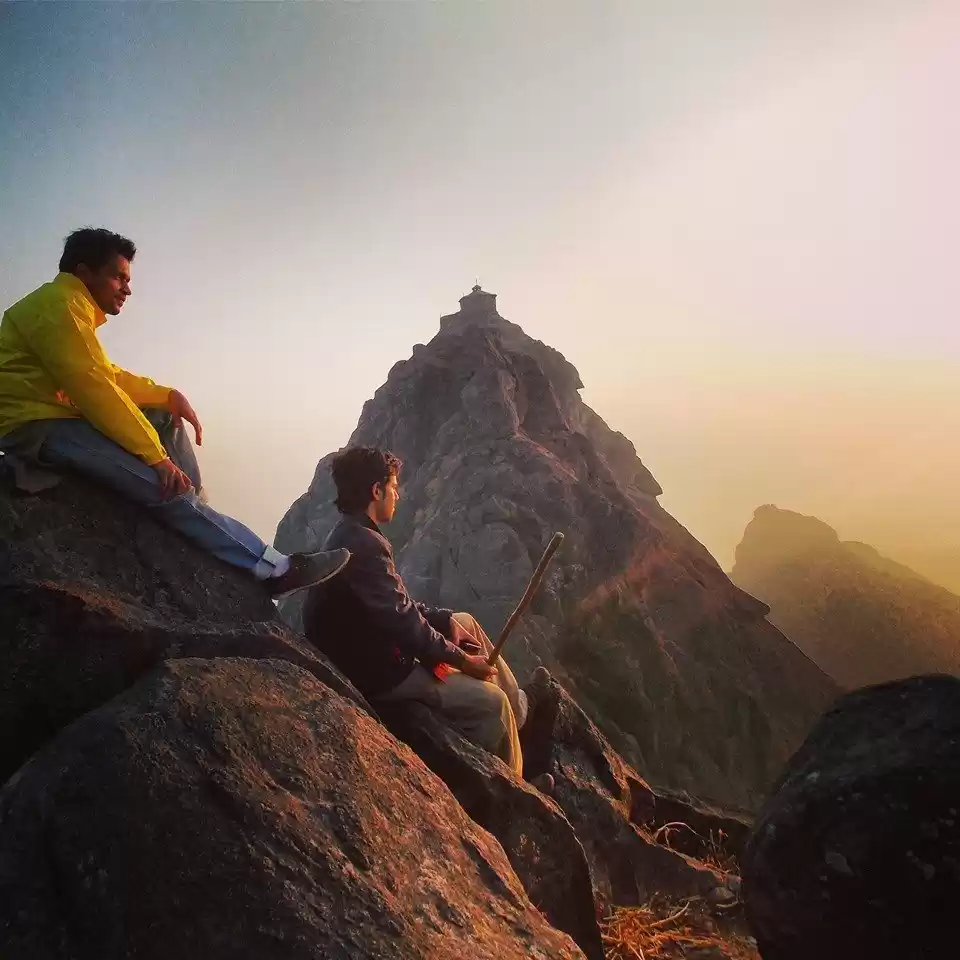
x=180, y=407
x=478, y=668
x=173, y=481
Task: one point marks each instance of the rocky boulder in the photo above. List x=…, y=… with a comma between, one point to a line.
x=242, y=809
x=678, y=666
x=94, y=593
x=613, y=810
x=857, y=852
x=79, y=536
x=537, y=838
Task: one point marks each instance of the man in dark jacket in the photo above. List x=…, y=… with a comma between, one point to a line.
x=391, y=647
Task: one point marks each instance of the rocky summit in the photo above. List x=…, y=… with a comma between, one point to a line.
x=676, y=665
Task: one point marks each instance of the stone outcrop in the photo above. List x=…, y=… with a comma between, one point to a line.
x=677, y=666
x=861, y=617
x=857, y=852
x=237, y=809
x=616, y=814
x=538, y=839
x=94, y=594
x=602, y=821
x=198, y=781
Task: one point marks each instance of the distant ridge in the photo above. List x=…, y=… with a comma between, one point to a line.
x=862, y=617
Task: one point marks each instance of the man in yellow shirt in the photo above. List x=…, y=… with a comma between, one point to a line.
x=64, y=406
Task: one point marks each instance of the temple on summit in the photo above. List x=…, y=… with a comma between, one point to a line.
x=477, y=307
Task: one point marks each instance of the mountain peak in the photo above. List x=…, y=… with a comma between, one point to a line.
x=635, y=617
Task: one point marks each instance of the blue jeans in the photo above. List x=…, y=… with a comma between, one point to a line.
x=76, y=445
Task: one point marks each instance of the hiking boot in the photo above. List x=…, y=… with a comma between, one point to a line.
x=544, y=782
x=306, y=569
x=540, y=675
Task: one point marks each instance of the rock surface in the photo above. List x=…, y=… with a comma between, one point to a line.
x=241, y=809
x=94, y=597
x=678, y=666
x=79, y=536
x=613, y=810
x=537, y=838
x=561, y=738
x=93, y=594
x=857, y=852
x=863, y=618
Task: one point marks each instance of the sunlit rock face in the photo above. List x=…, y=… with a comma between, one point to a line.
x=678, y=666
x=862, y=617
x=181, y=775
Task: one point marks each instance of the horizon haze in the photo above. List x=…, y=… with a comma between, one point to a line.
x=738, y=226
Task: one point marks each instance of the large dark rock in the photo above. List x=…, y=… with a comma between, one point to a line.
x=612, y=809
x=235, y=809
x=679, y=667
x=863, y=618
x=857, y=852
x=537, y=838
x=93, y=594
x=79, y=536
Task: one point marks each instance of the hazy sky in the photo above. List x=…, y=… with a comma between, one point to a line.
x=737, y=219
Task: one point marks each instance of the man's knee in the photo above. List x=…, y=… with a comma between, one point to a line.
x=472, y=626
x=467, y=621
x=161, y=420
x=176, y=440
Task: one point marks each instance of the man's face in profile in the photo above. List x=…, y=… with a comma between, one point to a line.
x=110, y=285
x=386, y=503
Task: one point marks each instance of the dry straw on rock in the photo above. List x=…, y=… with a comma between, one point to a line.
x=659, y=930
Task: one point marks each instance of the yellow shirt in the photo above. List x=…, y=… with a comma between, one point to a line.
x=52, y=366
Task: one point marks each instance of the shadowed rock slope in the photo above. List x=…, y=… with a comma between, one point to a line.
x=863, y=618
x=677, y=666
x=186, y=777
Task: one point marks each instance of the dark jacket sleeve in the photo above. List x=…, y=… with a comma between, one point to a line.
x=437, y=617
x=372, y=577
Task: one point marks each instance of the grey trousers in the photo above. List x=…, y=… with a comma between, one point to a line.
x=484, y=711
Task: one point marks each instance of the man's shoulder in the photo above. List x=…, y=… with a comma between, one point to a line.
x=49, y=296
x=356, y=537
x=32, y=299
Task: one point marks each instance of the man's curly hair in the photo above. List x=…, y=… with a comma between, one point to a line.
x=356, y=470
x=94, y=247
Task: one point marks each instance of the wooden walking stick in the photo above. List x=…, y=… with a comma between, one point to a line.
x=526, y=598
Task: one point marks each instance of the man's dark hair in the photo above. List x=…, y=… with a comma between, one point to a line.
x=94, y=247
x=356, y=470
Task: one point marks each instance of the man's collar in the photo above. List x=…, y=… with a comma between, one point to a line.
x=364, y=520
x=74, y=283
